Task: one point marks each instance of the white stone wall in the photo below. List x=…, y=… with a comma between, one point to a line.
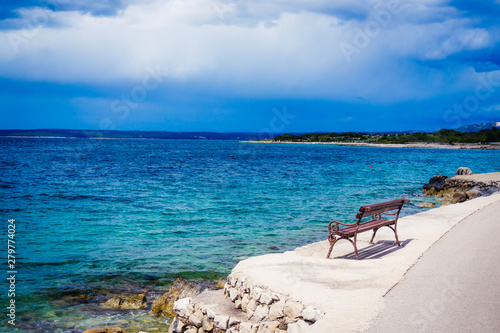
x=264, y=311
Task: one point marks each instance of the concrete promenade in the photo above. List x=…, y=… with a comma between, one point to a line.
x=455, y=286
x=411, y=287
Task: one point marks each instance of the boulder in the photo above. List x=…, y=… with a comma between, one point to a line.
x=221, y=322
x=266, y=298
x=177, y=325
x=252, y=305
x=211, y=313
x=458, y=197
x=237, y=303
x=293, y=309
x=196, y=318
x=276, y=311
x=472, y=194
x=183, y=307
x=261, y=312
x=233, y=294
x=132, y=302
x=311, y=314
x=207, y=324
x=244, y=302
x=463, y=171
x=181, y=288
x=436, y=184
x=427, y=204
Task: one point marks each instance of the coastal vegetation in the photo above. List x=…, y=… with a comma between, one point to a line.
x=442, y=136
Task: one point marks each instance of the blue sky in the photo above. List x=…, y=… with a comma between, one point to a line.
x=235, y=65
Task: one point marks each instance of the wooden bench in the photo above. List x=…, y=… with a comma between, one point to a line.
x=374, y=212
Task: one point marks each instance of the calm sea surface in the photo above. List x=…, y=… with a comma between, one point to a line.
x=96, y=218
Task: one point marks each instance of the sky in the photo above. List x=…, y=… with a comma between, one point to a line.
x=233, y=65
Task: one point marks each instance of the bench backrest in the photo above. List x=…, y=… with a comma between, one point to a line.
x=382, y=207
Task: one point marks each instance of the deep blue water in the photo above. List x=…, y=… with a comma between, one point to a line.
x=98, y=217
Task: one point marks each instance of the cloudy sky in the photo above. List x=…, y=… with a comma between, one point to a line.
x=238, y=65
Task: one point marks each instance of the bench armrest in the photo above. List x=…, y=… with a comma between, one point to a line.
x=334, y=226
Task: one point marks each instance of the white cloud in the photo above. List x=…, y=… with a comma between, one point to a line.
x=259, y=48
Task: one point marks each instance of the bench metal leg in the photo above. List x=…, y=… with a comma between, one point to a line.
x=354, y=244
x=373, y=236
x=332, y=240
x=396, y=234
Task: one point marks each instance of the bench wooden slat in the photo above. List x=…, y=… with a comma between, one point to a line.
x=388, y=206
x=375, y=210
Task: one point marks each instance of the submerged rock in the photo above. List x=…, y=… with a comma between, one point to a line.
x=104, y=330
x=436, y=185
x=133, y=302
x=427, y=204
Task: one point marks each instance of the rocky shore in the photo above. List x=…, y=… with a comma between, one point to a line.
x=463, y=186
x=160, y=307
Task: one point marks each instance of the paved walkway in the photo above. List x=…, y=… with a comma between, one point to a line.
x=455, y=286
x=351, y=292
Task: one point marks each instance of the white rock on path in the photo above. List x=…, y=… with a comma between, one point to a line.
x=182, y=307
x=211, y=313
x=221, y=322
x=311, y=314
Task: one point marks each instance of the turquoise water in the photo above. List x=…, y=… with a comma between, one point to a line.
x=100, y=217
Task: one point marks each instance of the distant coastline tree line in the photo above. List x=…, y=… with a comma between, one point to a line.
x=442, y=136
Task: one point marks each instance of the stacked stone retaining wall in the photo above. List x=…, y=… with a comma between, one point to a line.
x=259, y=310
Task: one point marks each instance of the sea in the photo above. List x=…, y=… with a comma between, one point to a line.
x=98, y=218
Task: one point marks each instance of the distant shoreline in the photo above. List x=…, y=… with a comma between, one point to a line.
x=421, y=145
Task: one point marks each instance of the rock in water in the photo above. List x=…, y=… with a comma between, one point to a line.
x=104, y=330
x=427, y=204
x=458, y=197
x=472, y=194
x=463, y=171
x=133, y=302
x=435, y=185
x=181, y=288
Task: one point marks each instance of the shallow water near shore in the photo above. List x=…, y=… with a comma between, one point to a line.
x=95, y=218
